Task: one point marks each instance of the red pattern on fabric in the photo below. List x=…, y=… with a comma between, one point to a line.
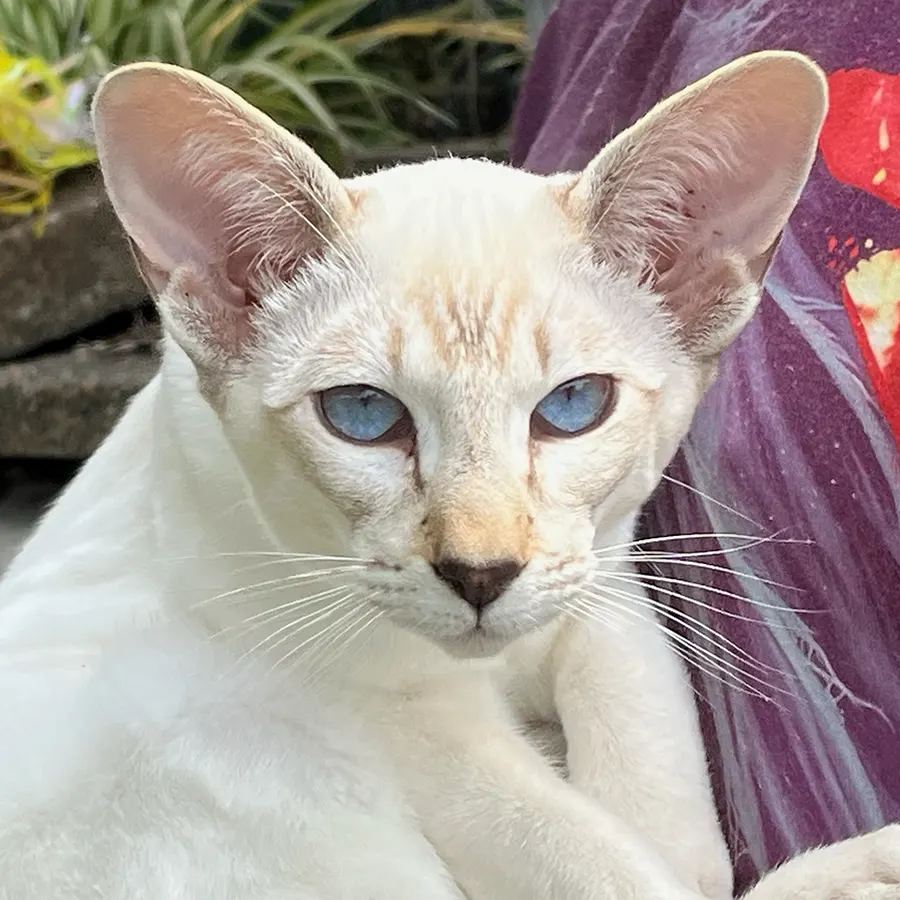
x=861, y=137
x=860, y=145
x=885, y=381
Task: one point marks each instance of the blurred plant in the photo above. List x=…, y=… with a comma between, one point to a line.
x=474, y=81
x=308, y=65
x=39, y=132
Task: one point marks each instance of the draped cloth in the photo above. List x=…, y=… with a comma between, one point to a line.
x=795, y=619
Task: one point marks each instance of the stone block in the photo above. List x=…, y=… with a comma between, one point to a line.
x=78, y=273
x=62, y=405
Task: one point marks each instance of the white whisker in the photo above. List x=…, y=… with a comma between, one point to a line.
x=741, y=678
x=725, y=613
x=710, y=499
x=277, y=612
x=334, y=648
x=687, y=559
x=711, y=567
x=316, y=636
x=605, y=617
x=710, y=535
x=371, y=616
x=332, y=635
x=695, y=626
x=269, y=563
x=641, y=553
x=295, y=626
x=591, y=612
x=634, y=578
x=699, y=661
x=286, y=556
x=277, y=584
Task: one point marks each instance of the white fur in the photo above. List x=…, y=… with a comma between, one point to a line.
x=192, y=709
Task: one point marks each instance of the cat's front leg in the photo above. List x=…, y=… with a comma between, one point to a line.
x=633, y=741
x=505, y=824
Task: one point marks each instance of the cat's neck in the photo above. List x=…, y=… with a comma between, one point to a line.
x=160, y=502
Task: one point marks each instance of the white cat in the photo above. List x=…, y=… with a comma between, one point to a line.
x=287, y=633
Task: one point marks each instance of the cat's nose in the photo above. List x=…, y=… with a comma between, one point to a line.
x=478, y=585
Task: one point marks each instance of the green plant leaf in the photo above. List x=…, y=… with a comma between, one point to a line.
x=291, y=82
x=323, y=17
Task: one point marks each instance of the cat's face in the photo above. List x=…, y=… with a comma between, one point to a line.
x=477, y=400
x=476, y=370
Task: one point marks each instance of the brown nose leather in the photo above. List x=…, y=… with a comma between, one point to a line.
x=478, y=585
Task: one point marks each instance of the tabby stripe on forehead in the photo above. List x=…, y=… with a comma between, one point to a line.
x=395, y=347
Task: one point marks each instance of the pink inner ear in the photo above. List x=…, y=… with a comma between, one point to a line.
x=182, y=225
x=668, y=246
x=229, y=292
x=205, y=325
x=205, y=184
x=163, y=247
x=236, y=278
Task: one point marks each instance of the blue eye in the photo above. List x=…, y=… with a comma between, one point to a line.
x=575, y=407
x=364, y=415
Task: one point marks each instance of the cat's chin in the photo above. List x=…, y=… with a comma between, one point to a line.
x=475, y=644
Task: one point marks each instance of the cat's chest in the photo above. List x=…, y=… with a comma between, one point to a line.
x=526, y=681
x=526, y=676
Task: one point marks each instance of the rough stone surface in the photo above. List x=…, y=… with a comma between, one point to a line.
x=79, y=272
x=62, y=405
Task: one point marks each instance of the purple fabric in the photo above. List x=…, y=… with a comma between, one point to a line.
x=791, y=440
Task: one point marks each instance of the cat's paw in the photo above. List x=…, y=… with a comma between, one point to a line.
x=862, y=868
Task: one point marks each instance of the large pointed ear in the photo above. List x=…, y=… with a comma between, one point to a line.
x=217, y=199
x=694, y=197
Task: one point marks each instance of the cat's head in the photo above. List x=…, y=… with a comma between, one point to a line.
x=473, y=369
